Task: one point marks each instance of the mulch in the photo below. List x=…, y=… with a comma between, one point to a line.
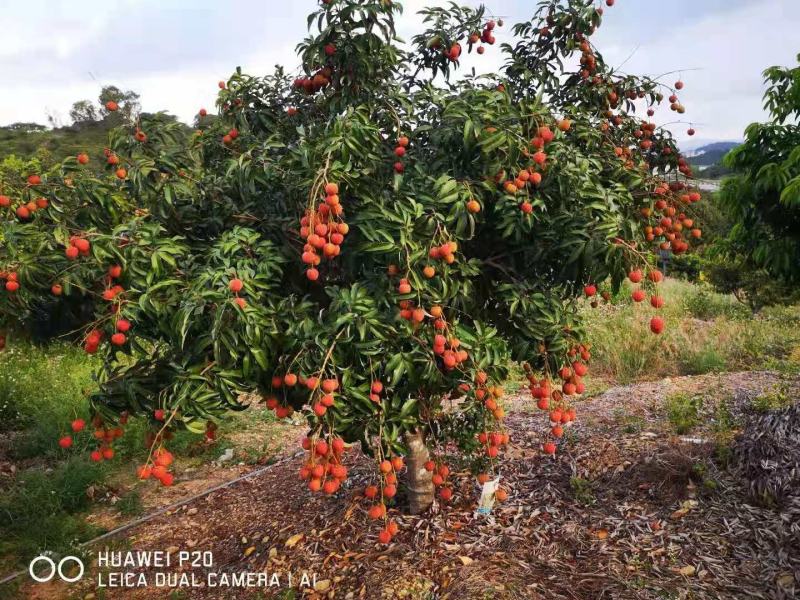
x=627, y=509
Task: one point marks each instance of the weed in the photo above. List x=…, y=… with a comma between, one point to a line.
x=130, y=504
x=774, y=399
x=40, y=509
x=629, y=423
x=683, y=411
x=582, y=491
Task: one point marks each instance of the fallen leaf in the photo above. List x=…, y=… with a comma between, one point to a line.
x=679, y=514
x=292, y=541
x=466, y=560
x=249, y=551
x=688, y=570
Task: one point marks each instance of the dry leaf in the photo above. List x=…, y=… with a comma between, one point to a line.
x=688, y=570
x=466, y=560
x=292, y=541
x=679, y=514
x=249, y=551
x=322, y=586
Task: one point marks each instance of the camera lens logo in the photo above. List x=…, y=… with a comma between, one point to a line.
x=53, y=569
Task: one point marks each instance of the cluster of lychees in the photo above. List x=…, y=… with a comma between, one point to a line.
x=323, y=230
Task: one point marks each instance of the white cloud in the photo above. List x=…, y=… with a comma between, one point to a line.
x=730, y=49
x=52, y=53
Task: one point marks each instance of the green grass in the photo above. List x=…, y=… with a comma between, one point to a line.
x=42, y=389
x=774, y=399
x=705, y=332
x=42, y=509
x=724, y=427
x=630, y=424
x=130, y=504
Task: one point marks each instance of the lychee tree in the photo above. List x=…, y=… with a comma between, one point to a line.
x=370, y=242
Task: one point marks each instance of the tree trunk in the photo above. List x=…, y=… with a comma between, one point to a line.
x=420, y=484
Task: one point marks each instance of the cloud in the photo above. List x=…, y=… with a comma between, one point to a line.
x=173, y=53
x=724, y=94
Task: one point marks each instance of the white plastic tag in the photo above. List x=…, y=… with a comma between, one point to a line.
x=486, y=503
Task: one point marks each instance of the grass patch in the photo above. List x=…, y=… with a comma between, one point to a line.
x=775, y=399
x=628, y=423
x=130, y=504
x=41, y=510
x=43, y=385
x=683, y=412
x=704, y=360
x=705, y=332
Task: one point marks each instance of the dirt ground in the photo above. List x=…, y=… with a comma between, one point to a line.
x=626, y=509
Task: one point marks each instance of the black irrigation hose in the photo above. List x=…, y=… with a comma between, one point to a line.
x=169, y=507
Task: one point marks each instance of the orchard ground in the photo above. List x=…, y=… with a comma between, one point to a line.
x=644, y=497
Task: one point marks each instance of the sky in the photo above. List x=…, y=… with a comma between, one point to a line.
x=173, y=52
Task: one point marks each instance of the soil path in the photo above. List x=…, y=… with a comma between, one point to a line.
x=628, y=509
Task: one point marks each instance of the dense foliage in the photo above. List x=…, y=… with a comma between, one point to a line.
x=363, y=242
x=761, y=255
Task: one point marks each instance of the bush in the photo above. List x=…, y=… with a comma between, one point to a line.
x=702, y=303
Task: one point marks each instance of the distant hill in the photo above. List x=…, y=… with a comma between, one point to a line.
x=26, y=139
x=707, y=159
x=710, y=154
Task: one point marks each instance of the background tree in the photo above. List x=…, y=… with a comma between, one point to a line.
x=362, y=244
x=760, y=257
x=118, y=105
x=83, y=112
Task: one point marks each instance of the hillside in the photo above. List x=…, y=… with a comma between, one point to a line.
x=26, y=139
x=707, y=159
